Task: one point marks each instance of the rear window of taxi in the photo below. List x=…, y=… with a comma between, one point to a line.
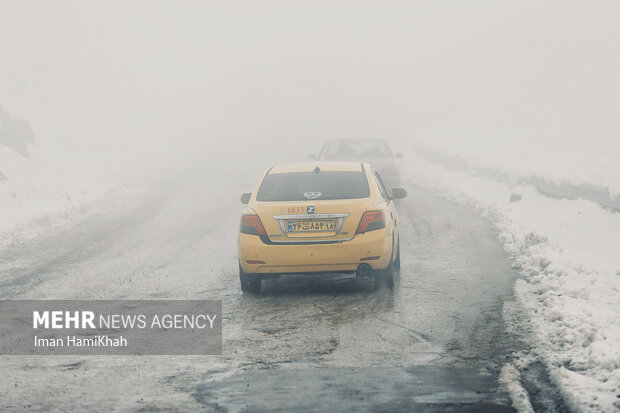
x=304, y=186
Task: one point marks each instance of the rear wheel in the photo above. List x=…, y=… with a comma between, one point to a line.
x=384, y=276
x=388, y=276
x=397, y=259
x=250, y=283
x=388, y=273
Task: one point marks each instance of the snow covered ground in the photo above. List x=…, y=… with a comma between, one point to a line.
x=592, y=161
x=34, y=198
x=567, y=251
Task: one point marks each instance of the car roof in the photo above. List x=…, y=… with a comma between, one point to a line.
x=330, y=142
x=311, y=166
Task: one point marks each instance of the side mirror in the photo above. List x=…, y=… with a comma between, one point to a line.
x=245, y=198
x=399, y=155
x=312, y=156
x=399, y=193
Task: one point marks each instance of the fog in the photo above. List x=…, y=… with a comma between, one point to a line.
x=129, y=129
x=119, y=87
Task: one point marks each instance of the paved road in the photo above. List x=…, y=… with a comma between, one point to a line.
x=437, y=342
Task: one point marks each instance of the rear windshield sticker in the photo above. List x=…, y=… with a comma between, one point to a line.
x=312, y=195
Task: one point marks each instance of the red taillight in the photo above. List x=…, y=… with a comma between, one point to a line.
x=251, y=224
x=389, y=171
x=370, y=221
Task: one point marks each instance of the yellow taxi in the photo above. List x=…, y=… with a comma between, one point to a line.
x=319, y=217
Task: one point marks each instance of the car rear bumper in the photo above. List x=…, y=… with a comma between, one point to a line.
x=307, y=258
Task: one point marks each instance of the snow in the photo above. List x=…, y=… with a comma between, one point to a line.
x=510, y=378
x=592, y=161
x=34, y=198
x=567, y=251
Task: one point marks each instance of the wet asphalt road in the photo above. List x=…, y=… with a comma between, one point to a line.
x=437, y=342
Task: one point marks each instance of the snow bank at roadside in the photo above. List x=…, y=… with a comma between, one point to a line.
x=559, y=161
x=568, y=252
x=30, y=195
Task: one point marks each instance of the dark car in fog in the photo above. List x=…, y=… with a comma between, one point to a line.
x=374, y=151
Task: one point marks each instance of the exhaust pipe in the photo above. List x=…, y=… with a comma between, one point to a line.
x=363, y=270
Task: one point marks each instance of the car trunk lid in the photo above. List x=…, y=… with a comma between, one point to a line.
x=311, y=221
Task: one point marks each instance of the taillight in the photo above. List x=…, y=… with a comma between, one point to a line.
x=389, y=171
x=251, y=224
x=370, y=221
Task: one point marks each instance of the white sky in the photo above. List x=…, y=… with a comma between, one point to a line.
x=115, y=79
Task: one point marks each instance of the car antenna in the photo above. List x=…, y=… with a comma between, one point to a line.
x=317, y=169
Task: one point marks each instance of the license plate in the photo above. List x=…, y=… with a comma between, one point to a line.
x=311, y=226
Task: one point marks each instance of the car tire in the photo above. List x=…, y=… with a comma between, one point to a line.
x=388, y=273
x=249, y=283
x=397, y=259
x=388, y=276
x=385, y=276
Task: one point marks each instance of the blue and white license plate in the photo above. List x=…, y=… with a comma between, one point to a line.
x=311, y=226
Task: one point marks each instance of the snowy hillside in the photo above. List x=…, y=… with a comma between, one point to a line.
x=591, y=163
x=567, y=251
x=29, y=188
